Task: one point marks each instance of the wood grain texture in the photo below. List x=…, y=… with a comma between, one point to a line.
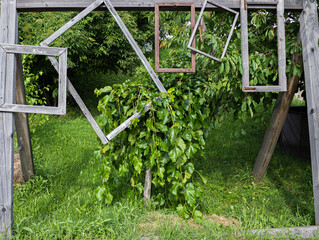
x=147, y=187
x=22, y=127
x=8, y=25
x=309, y=38
x=62, y=5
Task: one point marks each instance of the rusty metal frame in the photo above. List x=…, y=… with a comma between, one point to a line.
x=157, y=51
x=192, y=39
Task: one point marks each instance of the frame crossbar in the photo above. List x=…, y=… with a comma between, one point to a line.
x=192, y=39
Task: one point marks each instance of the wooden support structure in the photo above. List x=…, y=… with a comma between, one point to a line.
x=277, y=121
x=8, y=67
x=22, y=126
x=8, y=25
x=309, y=30
x=62, y=5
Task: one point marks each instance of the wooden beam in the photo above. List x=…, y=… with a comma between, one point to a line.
x=8, y=24
x=22, y=127
x=277, y=121
x=284, y=233
x=309, y=38
x=62, y=5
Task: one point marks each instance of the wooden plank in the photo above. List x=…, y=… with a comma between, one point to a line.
x=8, y=28
x=17, y=108
x=281, y=41
x=284, y=233
x=309, y=38
x=276, y=123
x=62, y=5
x=22, y=127
x=26, y=49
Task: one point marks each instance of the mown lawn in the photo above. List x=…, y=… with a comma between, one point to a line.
x=60, y=202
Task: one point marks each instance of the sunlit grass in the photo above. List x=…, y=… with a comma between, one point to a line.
x=60, y=202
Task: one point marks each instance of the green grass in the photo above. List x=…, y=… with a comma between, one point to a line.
x=60, y=202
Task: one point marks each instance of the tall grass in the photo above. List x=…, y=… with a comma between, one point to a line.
x=60, y=202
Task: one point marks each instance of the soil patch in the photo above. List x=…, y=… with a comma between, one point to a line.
x=155, y=220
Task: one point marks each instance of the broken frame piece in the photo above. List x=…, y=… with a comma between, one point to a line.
x=192, y=39
x=282, y=87
x=157, y=51
x=104, y=139
x=61, y=66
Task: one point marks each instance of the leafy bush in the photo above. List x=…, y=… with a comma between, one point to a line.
x=165, y=140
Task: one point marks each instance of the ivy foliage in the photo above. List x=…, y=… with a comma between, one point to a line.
x=168, y=138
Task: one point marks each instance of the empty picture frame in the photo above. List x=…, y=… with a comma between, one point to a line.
x=157, y=51
x=62, y=67
x=192, y=39
x=282, y=87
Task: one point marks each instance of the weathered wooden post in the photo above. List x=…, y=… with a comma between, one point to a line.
x=22, y=126
x=309, y=38
x=7, y=93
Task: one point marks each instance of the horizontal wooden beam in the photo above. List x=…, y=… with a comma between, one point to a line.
x=70, y=5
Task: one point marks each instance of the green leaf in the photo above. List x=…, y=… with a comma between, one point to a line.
x=180, y=142
x=172, y=134
x=197, y=215
x=191, y=150
x=187, y=135
x=190, y=168
x=108, y=198
x=100, y=193
x=190, y=194
x=186, y=104
x=160, y=172
x=175, y=154
x=149, y=124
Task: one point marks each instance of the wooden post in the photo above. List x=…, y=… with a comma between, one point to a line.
x=309, y=38
x=22, y=126
x=147, y=187
x=277, y=121
x=7, y=78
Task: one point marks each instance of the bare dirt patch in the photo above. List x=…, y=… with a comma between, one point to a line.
x=228, y=222
x=155, y=220
x=17, y=175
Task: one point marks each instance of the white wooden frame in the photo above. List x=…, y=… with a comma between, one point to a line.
x=62, y=71
x=192, y=39
x=104, y=139
x=280, y=6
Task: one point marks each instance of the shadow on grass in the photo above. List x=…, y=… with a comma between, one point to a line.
x=283, y=198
